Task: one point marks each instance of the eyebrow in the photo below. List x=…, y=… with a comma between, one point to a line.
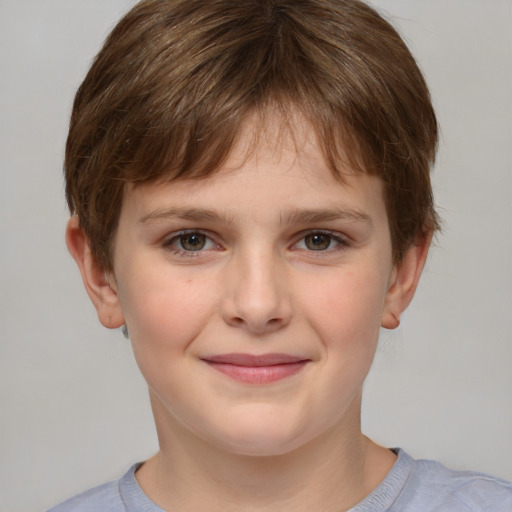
x=297, y=216
x=325, y=215
x=194, y=214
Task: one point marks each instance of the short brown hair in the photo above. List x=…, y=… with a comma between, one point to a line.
x=174, y=81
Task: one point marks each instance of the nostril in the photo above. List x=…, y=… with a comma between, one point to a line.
x=268, y=325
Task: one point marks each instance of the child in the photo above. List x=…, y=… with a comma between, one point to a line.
x=249, y=184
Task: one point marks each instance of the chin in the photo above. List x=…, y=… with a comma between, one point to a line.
x=260, y=440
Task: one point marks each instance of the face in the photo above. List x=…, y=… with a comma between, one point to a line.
x=254, y=297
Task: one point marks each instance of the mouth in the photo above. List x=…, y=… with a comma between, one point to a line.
x=256, y=369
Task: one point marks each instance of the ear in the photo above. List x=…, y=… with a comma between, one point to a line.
x=99, y=285
x=404, y=280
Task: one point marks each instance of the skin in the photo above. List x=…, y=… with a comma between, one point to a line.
x=278, y=256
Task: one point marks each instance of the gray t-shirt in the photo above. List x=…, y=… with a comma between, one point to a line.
x=411, y=486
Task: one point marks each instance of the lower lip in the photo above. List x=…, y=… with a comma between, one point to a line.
x=259, y=374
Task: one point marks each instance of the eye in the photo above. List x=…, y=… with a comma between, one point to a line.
x=190, y=241
x=320, y=241
x=317, y=241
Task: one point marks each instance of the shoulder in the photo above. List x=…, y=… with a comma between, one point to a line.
x=449, y=490
x=124, y=495
x=104, y=497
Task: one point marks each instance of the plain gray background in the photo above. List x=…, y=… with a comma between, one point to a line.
x=73, y=408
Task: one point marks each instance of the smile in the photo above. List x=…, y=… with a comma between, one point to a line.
x=261, y=369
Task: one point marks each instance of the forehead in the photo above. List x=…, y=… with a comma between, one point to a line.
x=280, y=137
x=274, y=169
x=282, y=133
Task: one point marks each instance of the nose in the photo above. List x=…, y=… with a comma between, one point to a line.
x=256, y=293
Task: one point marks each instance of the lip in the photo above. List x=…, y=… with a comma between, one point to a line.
x=256, y=369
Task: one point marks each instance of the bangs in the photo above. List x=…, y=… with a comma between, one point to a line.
x=169, y=93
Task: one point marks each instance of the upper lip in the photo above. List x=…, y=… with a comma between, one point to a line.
x=240, y=359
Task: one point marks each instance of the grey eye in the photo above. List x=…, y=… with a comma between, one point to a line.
x=192, y=241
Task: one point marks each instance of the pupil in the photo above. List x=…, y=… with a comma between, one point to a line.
x=317, y=241
x=193, y=242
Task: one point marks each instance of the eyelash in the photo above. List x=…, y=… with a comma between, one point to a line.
x=168, y=244
x=341, y=243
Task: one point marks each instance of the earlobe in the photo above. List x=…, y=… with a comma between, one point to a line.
x=404, y=280
x=99, y=285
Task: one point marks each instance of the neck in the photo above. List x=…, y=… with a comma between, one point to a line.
x=331, y=473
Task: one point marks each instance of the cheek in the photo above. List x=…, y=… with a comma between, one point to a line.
x=164, y=315
x=345, y=308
